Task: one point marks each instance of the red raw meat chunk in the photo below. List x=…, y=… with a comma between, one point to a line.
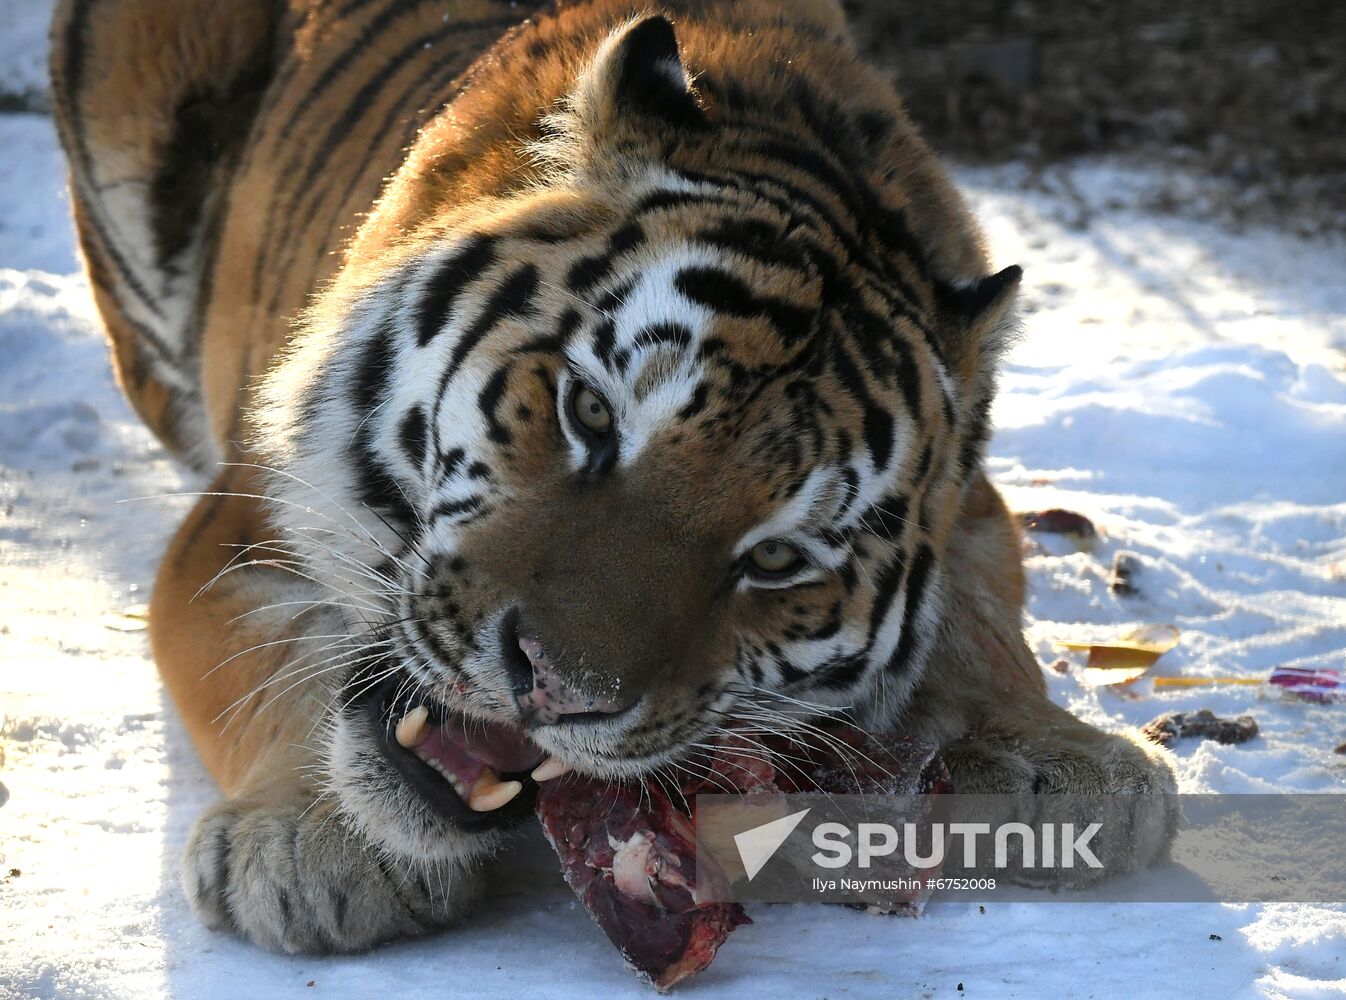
x=628, y=851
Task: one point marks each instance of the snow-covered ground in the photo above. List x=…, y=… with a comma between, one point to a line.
x=1181, y=384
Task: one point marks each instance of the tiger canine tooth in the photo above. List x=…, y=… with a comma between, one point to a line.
x=550, y=768
x=486, y=781
x=488, y=793
x=413, y=727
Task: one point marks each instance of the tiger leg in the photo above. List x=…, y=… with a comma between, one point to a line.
x=277, y=861
x=983, y=698
x=152, y=100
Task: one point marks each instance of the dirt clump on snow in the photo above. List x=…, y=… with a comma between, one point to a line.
x=1205, y=724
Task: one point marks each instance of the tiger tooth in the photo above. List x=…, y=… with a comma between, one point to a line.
x=550, y=768
x=413, y=727
x=454, y=781
x=499, y=795
x=485, y=781
x=457, y=783
x=489, y=792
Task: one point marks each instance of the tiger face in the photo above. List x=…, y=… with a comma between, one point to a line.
x=666, y=443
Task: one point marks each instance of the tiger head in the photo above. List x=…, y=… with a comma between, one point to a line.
x=664, y=439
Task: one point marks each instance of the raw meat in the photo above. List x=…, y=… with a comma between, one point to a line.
x=628, y=850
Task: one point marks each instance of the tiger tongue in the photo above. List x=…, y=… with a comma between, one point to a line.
x=505, y=748
x=466, y=750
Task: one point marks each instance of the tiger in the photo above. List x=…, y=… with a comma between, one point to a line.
x=570, y=385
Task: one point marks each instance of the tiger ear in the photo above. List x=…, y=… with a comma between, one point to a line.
x=983, y=299
x=638, y=74
x=978, y=317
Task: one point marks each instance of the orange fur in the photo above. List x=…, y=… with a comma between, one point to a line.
x=242, y=169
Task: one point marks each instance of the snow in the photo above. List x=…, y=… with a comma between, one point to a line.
x=1182, y=384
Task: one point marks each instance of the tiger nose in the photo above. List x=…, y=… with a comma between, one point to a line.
x=544, y=697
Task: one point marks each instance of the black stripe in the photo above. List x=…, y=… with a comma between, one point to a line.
x=338, y=132
x=452, y=508
x=885, y=590
x=377, y=488
x=489, y=404
x=76, y=38
x=920, y=572
x=423, y=98
x=723, y=292
x=448, y=462
x=975, y=440
x=842, y=672
x=209, y=128
x=510, y=299
x=878, y=339
x=878, y=428
x=923, y=466
x=551, y=343
x=831, y=626
x=319, y=155
x=877, y=422
x=674, y=335
x=614, y=298
x=820, y=162
x=465, y=265
x=790, y=203
x=795, y=199
x=666, y=199
x=366, y=41
x=875, y=125
x=815, y=166
x=789, y=673
x=587, y=272
x=755, y=239
x=351, y=7
x=719, y=290
x=697, y=403
x=373, y=371
x=904, y=307
x=413, y=436
x=605, y=341
x=887, y=519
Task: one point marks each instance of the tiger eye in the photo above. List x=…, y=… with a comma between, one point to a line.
x=774, y=556
x=591, y=412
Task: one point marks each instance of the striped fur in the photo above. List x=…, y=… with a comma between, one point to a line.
x=367, y=252
x=779, y=345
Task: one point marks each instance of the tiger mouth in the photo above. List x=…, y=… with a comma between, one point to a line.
x=475, y=773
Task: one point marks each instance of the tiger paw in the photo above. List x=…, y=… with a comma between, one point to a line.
x=299, y=880
x=1114, y=795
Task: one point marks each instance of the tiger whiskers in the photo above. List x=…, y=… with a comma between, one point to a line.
x=286, y=556
x=349, y=654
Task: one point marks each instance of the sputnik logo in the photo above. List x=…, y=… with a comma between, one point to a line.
x=757, y=846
